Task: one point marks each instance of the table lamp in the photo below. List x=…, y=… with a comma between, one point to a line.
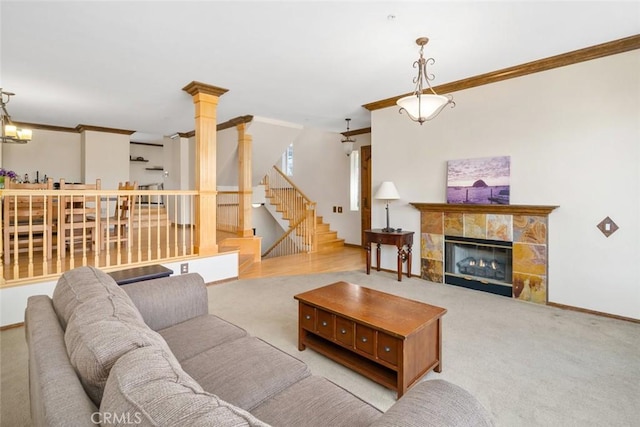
x=387, y=192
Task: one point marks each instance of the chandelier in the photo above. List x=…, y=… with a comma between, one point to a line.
x=11, y=134
x=424, y=106
x=347, y=141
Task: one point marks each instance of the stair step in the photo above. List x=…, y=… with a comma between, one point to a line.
x=244, y=262
x=332, y=244
x=326, y=236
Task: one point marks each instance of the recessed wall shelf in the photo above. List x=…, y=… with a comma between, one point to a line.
x=156, y=168
x=137, y=159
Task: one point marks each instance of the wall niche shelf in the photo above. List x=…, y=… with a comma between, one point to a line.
x=137, y=159
x=157, y=168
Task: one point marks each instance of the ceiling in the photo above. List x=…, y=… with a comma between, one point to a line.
x=123, y=64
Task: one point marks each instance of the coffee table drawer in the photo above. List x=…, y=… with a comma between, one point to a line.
x=325, y=324
x=364, y=339
x=344, y=331
x=307, y=317
x=388, y=348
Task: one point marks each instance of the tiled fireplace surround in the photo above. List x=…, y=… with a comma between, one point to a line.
x=524, y=225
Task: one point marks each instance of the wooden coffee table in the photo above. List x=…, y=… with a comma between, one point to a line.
x=389, y=339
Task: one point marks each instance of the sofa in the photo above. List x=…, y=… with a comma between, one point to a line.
x=150, y=354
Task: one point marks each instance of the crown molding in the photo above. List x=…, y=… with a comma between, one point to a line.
x=47, y=127
x=195, y=88
x=234, y=122
x=84, y=128
x=593, y=52
x=357, y=132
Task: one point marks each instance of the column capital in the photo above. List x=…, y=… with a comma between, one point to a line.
x=195, y=88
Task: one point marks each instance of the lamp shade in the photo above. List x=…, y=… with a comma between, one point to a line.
x=347, y=146
x=387, y=191
x=423, y=107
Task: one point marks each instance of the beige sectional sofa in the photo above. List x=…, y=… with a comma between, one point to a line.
x=150, y=354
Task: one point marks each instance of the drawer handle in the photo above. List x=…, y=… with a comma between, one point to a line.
x=324, y=323
x=343, y=331
x=364, y=339
x=387, y=349
x=308, y=317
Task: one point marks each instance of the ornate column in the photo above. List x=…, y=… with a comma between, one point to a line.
x=245, y=189
x=205, y=98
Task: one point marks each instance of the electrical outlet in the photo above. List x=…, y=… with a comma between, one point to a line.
x=184, y=268
x=339, y=209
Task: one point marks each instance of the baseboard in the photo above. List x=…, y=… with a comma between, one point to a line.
x=597, y=313
x=353, y=245
x=14, y=325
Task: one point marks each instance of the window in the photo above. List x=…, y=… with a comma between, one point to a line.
x=287, y=161
x=354, y=184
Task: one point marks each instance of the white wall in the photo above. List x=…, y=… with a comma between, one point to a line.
x=138, y=170
x=13, y=300
x=573, y=134
x=105, y=156
x=56, y=154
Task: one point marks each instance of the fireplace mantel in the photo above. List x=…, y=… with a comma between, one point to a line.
x=538, y=210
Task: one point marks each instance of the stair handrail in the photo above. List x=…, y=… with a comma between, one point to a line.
x=283, y=237
x=301, y=214
x=294, y=186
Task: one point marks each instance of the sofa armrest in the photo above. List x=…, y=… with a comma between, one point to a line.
x=435, y=403
x=56, y=394
x=171, y=300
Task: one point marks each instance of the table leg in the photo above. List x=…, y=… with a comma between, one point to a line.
x=409, y=261
x=399, y=263
x=367, y=248
x=378, y=257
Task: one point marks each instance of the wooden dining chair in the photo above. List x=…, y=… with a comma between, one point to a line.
x=117, y=227
x=27, y=220
x=79, y=217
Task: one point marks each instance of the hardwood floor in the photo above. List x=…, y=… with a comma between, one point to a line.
x=341, y=259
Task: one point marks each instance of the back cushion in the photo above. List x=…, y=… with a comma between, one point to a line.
x=100, y=331
x=148, y=387
x=80, y=285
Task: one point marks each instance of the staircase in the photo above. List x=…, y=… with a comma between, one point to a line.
x=307, y=232
x=327, y=239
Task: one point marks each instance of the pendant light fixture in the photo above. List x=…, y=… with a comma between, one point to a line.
x=347, y=141
x=421, y=106
x=11, y=134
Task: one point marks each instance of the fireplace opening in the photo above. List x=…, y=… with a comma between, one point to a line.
x=484, y=265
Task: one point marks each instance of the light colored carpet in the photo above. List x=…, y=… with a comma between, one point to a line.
x=529, y=365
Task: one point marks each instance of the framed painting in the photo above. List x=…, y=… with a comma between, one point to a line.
x=479, y=181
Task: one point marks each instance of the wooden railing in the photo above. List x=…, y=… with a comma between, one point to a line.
x=152, y=232
x=228, y=211
x=297, y=209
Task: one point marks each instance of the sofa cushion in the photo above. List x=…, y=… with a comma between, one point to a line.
x=245, y=372
x=147, y=387
x=80, y=285
x=201, y=333
x=98, y=333
x=316, y=401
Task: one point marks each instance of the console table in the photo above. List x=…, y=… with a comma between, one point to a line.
x=391, y=340
x=396, y=238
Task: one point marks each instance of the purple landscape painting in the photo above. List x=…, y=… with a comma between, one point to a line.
x=479, y=181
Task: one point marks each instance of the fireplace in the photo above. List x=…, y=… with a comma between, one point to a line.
x=479, y=264
x=494, y=248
